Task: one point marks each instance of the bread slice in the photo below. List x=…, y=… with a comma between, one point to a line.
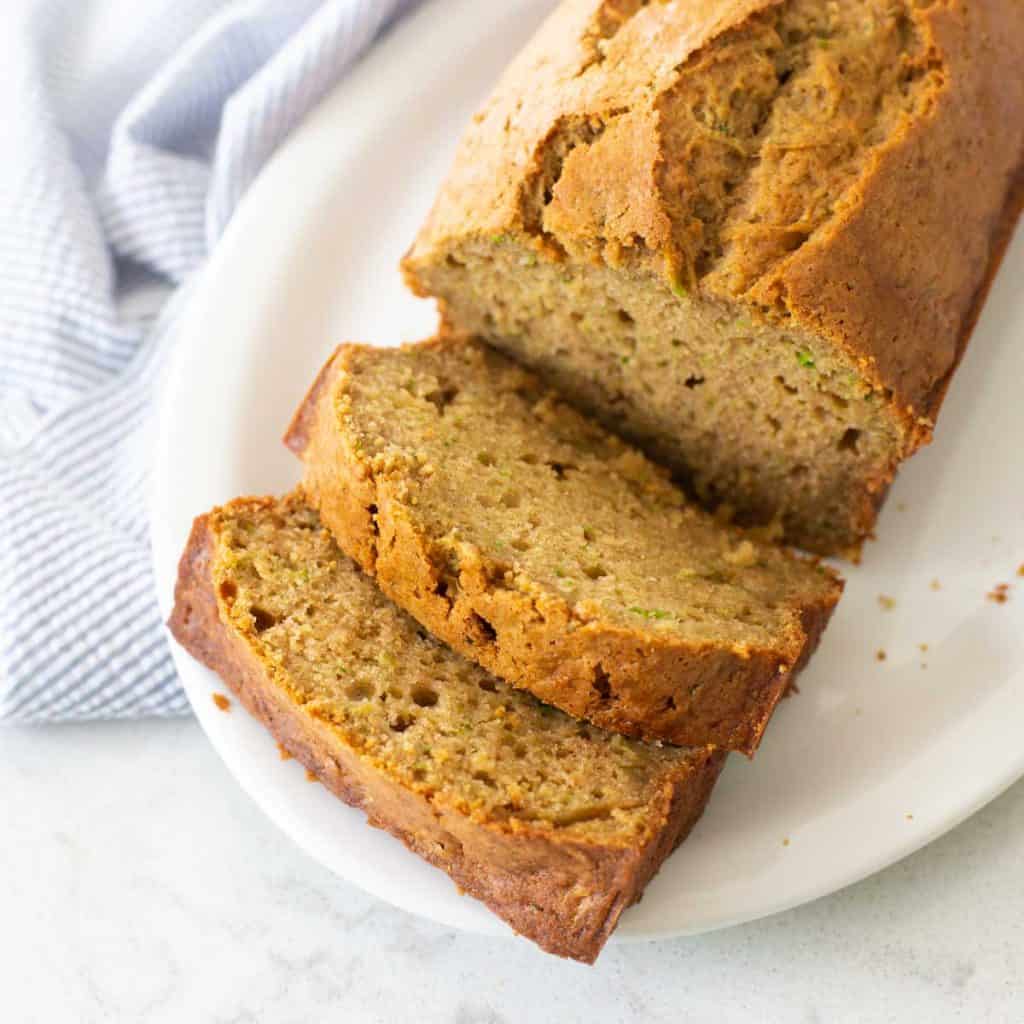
x=556, y=826
x=544, y=548
x=750, y=236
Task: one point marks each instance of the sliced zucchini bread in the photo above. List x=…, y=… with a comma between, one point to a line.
x=555, y=825
x=541, y=546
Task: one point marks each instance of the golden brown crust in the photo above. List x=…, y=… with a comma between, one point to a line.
x=653, y=686
x=894, y=278
x=876, y=489
x=566, y=896
x=890, y=277
x=568, y=72
x=1000, y=241
x=354, y=504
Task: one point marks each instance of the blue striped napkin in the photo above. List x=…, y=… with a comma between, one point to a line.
x=119, y=169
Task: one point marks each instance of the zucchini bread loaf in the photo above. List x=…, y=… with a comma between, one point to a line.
x=543, y=547
x=556, y=826
x=751, y=236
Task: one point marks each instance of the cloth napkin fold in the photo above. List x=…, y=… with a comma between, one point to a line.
x=122, y=164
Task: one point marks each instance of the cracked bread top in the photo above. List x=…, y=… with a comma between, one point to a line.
x=840, y=164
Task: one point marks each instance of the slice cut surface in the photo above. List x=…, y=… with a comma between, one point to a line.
x=546, y=549
x=556, y=825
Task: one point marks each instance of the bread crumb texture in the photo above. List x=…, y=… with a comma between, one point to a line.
x=498, y=467
x=543, y=547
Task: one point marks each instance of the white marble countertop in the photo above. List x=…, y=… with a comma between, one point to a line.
x=138, y=883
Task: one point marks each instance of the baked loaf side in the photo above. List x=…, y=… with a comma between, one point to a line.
x=556, y=826
x=546, y=549
x=750, y=236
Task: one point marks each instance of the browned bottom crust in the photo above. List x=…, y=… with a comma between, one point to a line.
x=565, y=895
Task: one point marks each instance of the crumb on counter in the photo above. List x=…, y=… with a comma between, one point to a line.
x=887, y=603
x=283, y=753
x=785, y=842
x=1000, y=593
x=922, y=647
x=1020, y=569
x=935, y=585
x=880, y=655
x=909, y=817
x=222, y=702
